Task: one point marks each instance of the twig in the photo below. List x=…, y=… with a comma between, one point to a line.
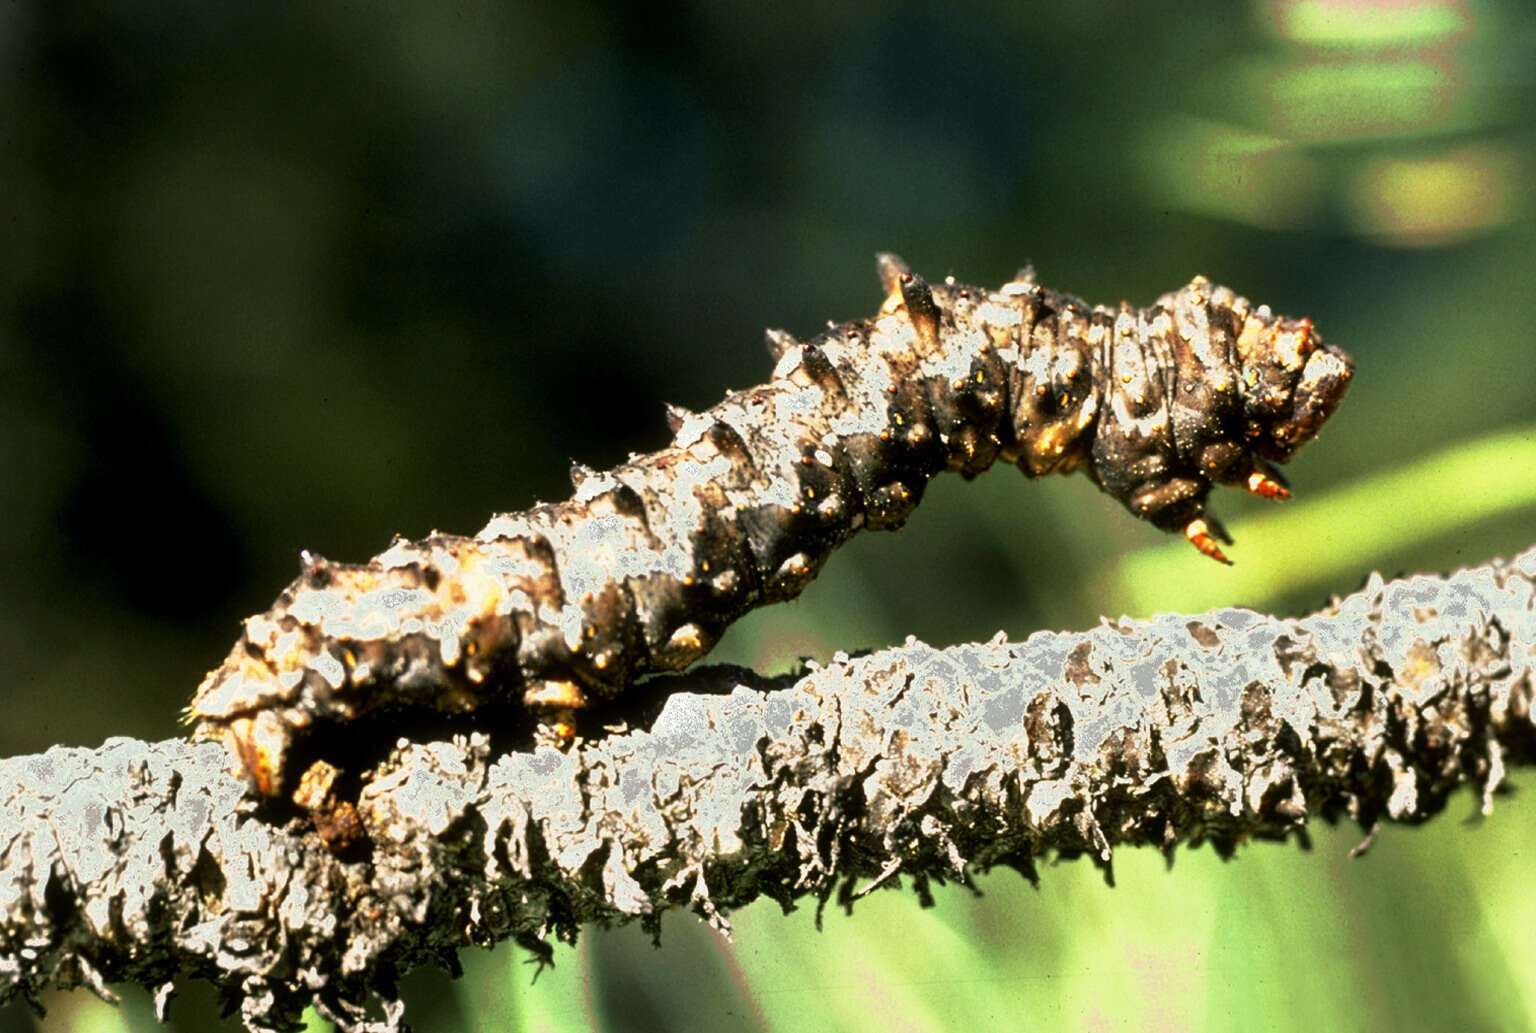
x=136, y=861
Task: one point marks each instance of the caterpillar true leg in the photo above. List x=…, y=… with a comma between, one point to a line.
x=1267, y=487
x=1198, y=531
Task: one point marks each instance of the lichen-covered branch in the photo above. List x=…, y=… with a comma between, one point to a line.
x=136, y=861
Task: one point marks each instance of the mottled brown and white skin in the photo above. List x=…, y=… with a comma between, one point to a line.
x=644, y=567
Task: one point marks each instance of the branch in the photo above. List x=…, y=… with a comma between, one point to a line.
x=136, y=861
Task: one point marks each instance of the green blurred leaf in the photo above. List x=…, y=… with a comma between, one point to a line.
x=499, y=991
x=1230, y=172
x=1349, y=23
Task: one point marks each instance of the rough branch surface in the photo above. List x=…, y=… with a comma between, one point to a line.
x=136, y=861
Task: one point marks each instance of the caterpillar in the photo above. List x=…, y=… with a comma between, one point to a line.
x=644, y=567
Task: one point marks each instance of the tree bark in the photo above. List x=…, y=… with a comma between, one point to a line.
x=137, y=861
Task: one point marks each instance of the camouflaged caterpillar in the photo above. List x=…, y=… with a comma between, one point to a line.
x=648, y=563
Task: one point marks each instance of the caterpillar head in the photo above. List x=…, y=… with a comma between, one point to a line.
x=1292, y=381
x=1204, y=389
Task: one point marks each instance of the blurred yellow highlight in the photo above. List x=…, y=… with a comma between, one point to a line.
x=1377, y=24
x=1428, y=201
x=1319, y=539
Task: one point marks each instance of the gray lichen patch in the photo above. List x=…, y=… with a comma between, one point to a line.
x=137, y=861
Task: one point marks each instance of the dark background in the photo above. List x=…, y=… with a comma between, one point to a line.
x=291, y=276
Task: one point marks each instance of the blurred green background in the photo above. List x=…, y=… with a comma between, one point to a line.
x=288, y=276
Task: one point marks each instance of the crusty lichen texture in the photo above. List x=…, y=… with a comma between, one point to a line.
x=136, y=861
x=648, y=563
